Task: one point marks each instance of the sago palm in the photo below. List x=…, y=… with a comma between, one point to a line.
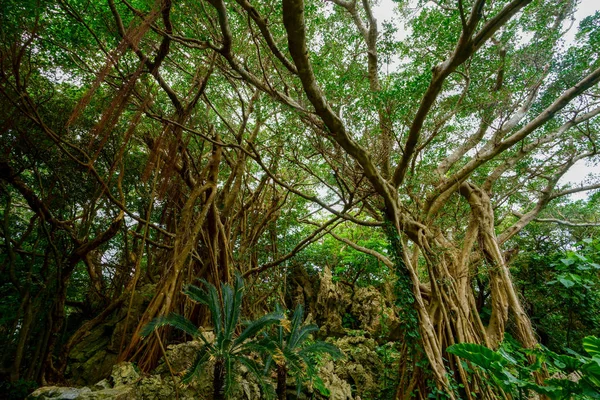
x=293, y=353
x=228, y=350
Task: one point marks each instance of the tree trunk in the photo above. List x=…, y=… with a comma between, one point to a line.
x=281, y=382
x=23, y=336
x=448, y=313
x=219, y=381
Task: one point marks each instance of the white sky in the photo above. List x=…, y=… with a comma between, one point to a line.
x=580, y=171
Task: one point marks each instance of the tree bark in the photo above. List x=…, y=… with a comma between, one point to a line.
x=281, y=382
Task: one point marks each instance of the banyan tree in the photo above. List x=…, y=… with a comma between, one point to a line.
x=164, y=141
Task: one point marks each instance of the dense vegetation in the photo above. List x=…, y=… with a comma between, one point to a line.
x=149, y=144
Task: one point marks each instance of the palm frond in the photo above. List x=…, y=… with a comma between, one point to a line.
x=232, y=304
x=281, y=326
x=228, y=305
x=260, y=375
x=322, y=347
x=262, y=347
x=294, y=362
x=175, y=320
x=214, y=304
x=202, y=356
x=208, y=296
x=297, y=319
x=302, y=334
x=268, y=361
x=197, y=294
x=256, y=326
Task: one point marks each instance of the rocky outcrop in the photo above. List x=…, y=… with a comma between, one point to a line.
x=338, y=388
x=357, y=376
x=332, y=303
x=67, y=393
x=93, y=357
x=362, y=367
x=120, y=386
x=126, y=383
x=373, y=313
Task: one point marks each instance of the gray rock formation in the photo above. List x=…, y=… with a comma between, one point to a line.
x=332, y=302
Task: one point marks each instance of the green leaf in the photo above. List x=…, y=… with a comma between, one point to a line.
x=202, y=356
x=567, y=363
x=478, y=355
x=320, y=387
x=175, y=320
x=591, y=371
x=566, y=282
x=591, y=344
x=256, y=326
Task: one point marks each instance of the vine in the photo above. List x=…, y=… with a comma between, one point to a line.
x=402, y=289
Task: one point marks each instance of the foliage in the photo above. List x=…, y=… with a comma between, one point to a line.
x=511, y=368
x=290, y=348
x=146, y=142
x=563, y=290
x=229, y=349
x=389, y=355
x=17, y=390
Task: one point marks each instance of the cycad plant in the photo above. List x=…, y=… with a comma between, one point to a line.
x=228, y=350
x=294, y=354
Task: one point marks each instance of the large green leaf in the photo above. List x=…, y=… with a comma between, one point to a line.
x=591, y=345
x=478, y=355
x=592, y=370
x=234, y=310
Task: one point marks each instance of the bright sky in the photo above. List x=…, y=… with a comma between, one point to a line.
x=580, y=171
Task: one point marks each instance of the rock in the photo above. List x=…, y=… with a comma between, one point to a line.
x=332, y=302
x=124, y=373
x=247, y=387
x=338, y=388
x=69, y=393
x=181, y=356
x=362, y=366
x=101, y=385
x=90, y=359
x=58, y=393
x=303, y=289
x=93, y=357
x=118, y=393
x=371, y=311
x=155, y=388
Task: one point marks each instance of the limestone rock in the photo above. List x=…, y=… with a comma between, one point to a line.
x=181, y=356
x=362, y=365
x=101, y=385
x=57, y=393
x=118, y=393
x=69, y=393
x=124, y=373
x=338, y=388
x=90, y=359
x=154, y=387
x=93, y=357
x=370, y=309
x=332, y=302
